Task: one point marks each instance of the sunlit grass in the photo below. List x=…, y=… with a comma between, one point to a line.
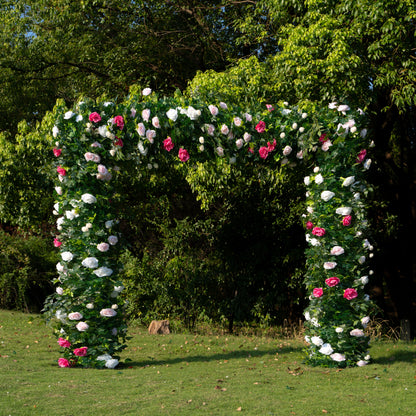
x=183, y=374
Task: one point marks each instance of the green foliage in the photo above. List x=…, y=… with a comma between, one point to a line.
x=27, y=267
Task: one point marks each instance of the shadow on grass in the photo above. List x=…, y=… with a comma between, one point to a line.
x=397, y=356
x=240, y=354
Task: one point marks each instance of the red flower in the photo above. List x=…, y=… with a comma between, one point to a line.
x=56, y=242
x=270, y=146
x=319, y=232
x=95, y=117
x=309, y=225
x=64, y=342
x=261, y=127
x=361, y=156
x=61, y=171
x=251, y=150
x=346, y=221
x=183, y=155
x=81, y=352
x=332, y=281
x=323, y=138
x=350, y=294
x=168, y=144
x=63, y=362
x=119, y=120
x=263, y=152
x=118, y=142
x=57, y=152
x=318, y=292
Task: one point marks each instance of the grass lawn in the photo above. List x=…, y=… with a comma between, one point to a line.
x=185, y=374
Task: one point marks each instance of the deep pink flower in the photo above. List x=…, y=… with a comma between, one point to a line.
x=119, y=120
x=56, y=242
x=318, y=292
x=61, y=170
x=261, y=127
x=271, y=146
x=332, y=281
x=322, y=138
x=57, y=152
x=361, y=156
x=63, y=362
x=81, y=352
x=95, y=117
x=350, y=293
x=118, y=142
x=263, y=152
x=251, y=150
x=346, y=221
x=183, y=155
x=168, y=144
x=64, y=342
x=309, y=225
x=319, y=232
x=269, y=107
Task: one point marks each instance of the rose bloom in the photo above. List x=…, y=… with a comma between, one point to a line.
x=113, y=240
x=343, y=210
x=88, y=198
x=102, y=169
x=357, y=333
x=155, y=122
x=332, y=281
x=82, y=326
x=213, y=110
x=329, y=265
x=261, y=127
x=317, y=341
x=57, y=152
x=327, y=195
x=362, y=363
x=90, y=262
x=168, y=144
x=287, y=150
x=103, y=247
x=75, y=316
x=361, y=155
x=183, y=155
x=319, y=179
x=95, y=117
x=365, y=321
x=63, y=362
x=147, y=91
x=338, y=357
x=346, y=221
x=56, y=242
x=339, y=330
x=319, y=232
x=325, y=147
x=111, y=363
x=263, y=152
x=172, y=114
x=81, y=352
x=67, y=256
x=103, y=272
x=237, y=121
x=141, y=129
x=119, y=120
x=59, y=291
x=239, y=143
x=146, y=114
x=309, y=225
x=108, y=312
x=348, y=181
x=350, y=294
x=326, y=349
x=318, y=292
x=64, y=343
x=61, y=171
x=225, y=129
x=337, y=250
x=89, y=157
x=150, y=135
x=247, y=137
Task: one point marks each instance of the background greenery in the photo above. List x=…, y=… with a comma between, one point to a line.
x=356, y=50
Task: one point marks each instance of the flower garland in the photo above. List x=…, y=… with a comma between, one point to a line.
x=95, y=138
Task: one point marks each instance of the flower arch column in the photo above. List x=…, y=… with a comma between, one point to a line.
x=94, y=139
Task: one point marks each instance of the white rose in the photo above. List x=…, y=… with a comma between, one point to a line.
x=172, y=114
x=367, y=164
x=319, y=179
x=301, y=129
x=75, y=316
x=55, y=131
x=113, y=240
x=237, y=121
x=361, y=260
x=89, y=306
x=111, y=363
x=147, y=91
x=82, y=326
x=103, y=247
x=59, y=291
x=337, y=250
x=103, y=271
x=247, y=137
x=108, y=312
x=220, y=151
x=327, y=195
x=348, y=181
x=239, y=143
x=155, y=122
x=326, y=349
x=59, y=267
x=287, y=150
x=141, y=129
x=224, y=129
x=316, y=169
x=67, y=256
x=317, y=341
x=90, y=262
x=192, y=113
x=88, y=198
x=146, y=114
x=307, y=180
x=364, y=280
x=282, y=135
x=329, y=265
x=343, y=210
x=58, y=190
x=357, y=333
x=365, y=321
x=68, y=115
x=338, y=357
x=213, y=110
x=339, y=330
x=362, y=363
x=109, y=223
x=343, y=108
x=294, y=126
x=104, y=357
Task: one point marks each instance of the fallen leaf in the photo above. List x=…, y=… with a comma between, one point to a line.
x=239, y=409
x=324, y=411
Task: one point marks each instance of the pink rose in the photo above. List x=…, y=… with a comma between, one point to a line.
x=263, y=152
x=89, y=157
x=168, y=144
x=361, y=156
x=61, y=170
x=63, y=362
x=108, y=312
x=57, y=152
x=318, y=292
x=103, y=247
x=118, y=142
x=332, y=281
x=146, y=114
x=213, y=110
x=224, y=129
x=346, y=221
x=150, y=135
x=271, y=146
x=95, y=117
x=261, y=126
x=319, y=232
x=81, y=352
x=155, y=122
x=64, y=342
x=56, y=242
x=357, y=333
x=82, y=326
x=328, y=265
x=75, y=316
x=141, y=129
x=119, y=120
x=183, y=155
x=102, y=169
x=337, y=250
x=309, y=225
x=210, y=129
x=350, y=294
x=269, y=107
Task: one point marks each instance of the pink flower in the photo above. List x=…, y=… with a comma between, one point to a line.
x=271, y=146
x=155, y=122
x=141, y=129
x=357, y=333
x=168, y=144
x=82, y=326
x=75, y=316
x=102, y=169
x=64, y=342
x=350, y=294
x=309, y=225
x=81, y=352
x=89, y=157
x=95, y=117
x=263, y=152
x=119, y=120
x=150, y=135
x=108, y=312
x=332, y=281
x=361, y=156
x=183, y=155
x=56, y=242
x=57, y=152
x=61, y=170
x=225, y=129
x=346, y=221
x=103, y=247
x=269, y=107
x=319, y=232
x=118, y=142
x=213, y=110
x=146, y=114
x=318, y=292
x=63, y=362
x=261, y=127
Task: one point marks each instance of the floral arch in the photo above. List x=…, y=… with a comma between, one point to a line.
x=94, y=138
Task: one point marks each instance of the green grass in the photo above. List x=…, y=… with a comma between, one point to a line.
x=187, y=374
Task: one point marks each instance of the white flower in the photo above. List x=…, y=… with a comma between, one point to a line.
x=326, y=349
x=90, y=262
x=68, y=115
x=365, y=321
x=150, y=135
x=213, y=110
x=367, y=164
x=362, y=363
x=337, y=250
x=363, y=280
x=325, y=146
x=294, y=126
x=343, y=108
x=307, y=180
x=317, y=341
x=59, y=291
x=147, y=91
x=339, y=330
x=89, y=306
x=220, y=151
x=155, y=122
x=327, y=195
x=299, y=154
x=307, y=316
x=237, y=121
x=316, y=169
x=113, y=240
x=329, y=265
x=67, y=256
x=361, y=260
x=59, y=222
x=146, y=114
x=75, y=316
x=315, y=322
x=309, y=209
x=103, y=271
x=307, y=338
x=172, y=114
x=61, y=316
x=118, y=288
x=282, y=135
x=357, y=333
x=319, y=179
x=111, y=363
x=109, y=223
x=224, y=129
x=338, y=357
x=70, y=214
x=59, y=267
x=192, y=113
x=348, y=181
x=108, y=312
x=353, y=129
x=82, y=326
x=343, y=210
x=287, y=150
x=304, y=115
x=141, y=129
x=58, y=190
x=88, y=199
x=332, y=106
x=248, y=117
x=55, y=131
x=301, y=129
x=367, y=357
x=223, y=105
x=115, y=306
x=103, y=247
x=104, y=357
x=314, y=242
